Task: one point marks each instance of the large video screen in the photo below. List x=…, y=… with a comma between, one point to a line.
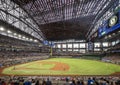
x=110, y=25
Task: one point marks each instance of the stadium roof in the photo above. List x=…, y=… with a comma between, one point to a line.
x=63, y=19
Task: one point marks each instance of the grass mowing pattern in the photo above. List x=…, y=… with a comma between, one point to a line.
x=77, y=67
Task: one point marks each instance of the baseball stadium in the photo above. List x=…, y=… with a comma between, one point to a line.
x=59, y=42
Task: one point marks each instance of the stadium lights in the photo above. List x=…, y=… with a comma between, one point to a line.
x=9, y=31
x=31, y=39
x=113, y=33
x=35, y=40
x=2, y=29
x=19, y=36
x=109, y=36
x=15, y=34
x=23, y=37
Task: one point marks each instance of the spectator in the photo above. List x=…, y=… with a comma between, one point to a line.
x=16, y=82
x=37, y=82
x=80, y=82
x=27, y=83
x=67, y=81
x=90, y=81
x=3, y=82
x=21, y=82
x=118, y=82
x=95, y=81
x=0, y=82
x=33, y=82
x=48, y=82
x=73, y=82
x=44, y=82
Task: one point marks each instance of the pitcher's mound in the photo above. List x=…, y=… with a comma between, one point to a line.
x=57, y=65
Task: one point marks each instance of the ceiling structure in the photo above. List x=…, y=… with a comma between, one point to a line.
x=63, y=19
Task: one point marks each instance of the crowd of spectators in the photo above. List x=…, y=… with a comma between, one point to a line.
x=59, y=80
x=114, y=48
x=12, y=58
x=113, y=58
x=57, y=53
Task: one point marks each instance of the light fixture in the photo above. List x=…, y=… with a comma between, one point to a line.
x=35, y=40
x=31, y=39
x=19, y=36
x=8, y=31
x=109, y=36
x=23, y=37
x=15, y=34
x=113, y=34
x=2, y=29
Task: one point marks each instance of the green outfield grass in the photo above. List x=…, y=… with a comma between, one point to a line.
x=76, y=67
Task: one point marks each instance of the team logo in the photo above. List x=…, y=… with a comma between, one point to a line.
x=113, y=21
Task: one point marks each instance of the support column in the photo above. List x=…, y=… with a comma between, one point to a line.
x=72, y=46
x=61, y=47
x=66, y=47
x=86, y=48
x=101, y=46
x=79, y=47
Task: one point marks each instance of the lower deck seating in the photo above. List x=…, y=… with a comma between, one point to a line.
x=34, y=80
x=112, y=59
x=18, y=58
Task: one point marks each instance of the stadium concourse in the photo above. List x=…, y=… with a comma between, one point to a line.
x=59, y=42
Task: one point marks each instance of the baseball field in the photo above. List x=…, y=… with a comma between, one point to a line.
x=63, y=66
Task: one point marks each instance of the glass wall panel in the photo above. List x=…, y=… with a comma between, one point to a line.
x=75, y=45
x=97, y=44
x=105, y=44
x=63, y=45
x=58, y=45
x=69, y=45
x=82, y=45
